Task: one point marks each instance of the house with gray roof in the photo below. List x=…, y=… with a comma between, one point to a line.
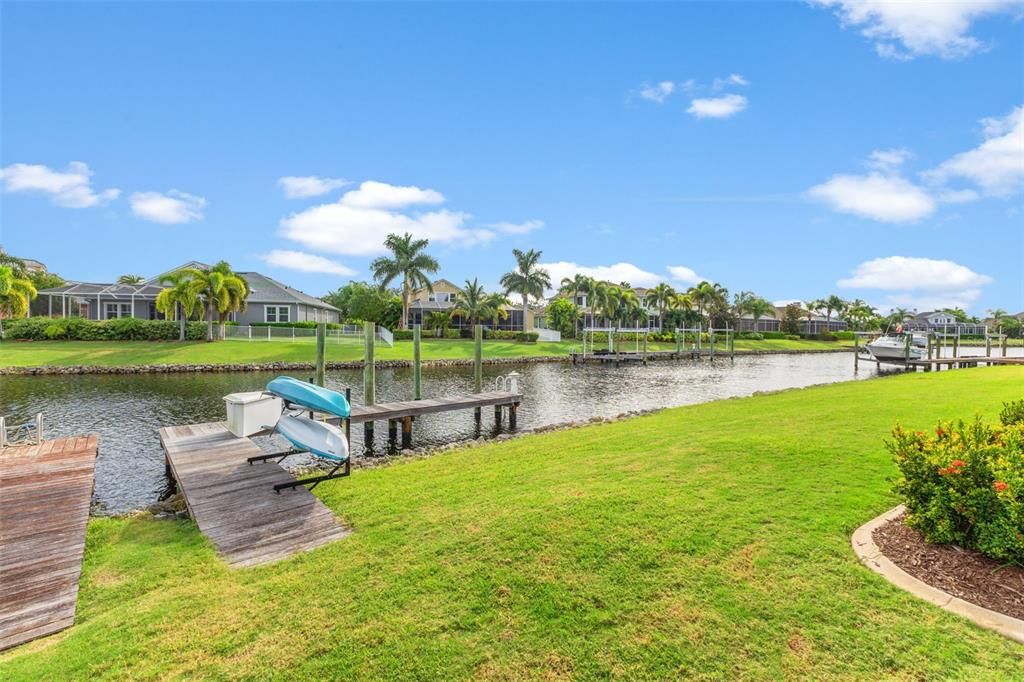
x=269, y=300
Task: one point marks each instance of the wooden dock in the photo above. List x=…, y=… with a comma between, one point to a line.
x=234, y=502
x=935, y=364
x=45, y=494
x=623, y=357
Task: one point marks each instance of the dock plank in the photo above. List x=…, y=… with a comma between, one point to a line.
x=416, y=408
x=45, y=493
x=234, y=502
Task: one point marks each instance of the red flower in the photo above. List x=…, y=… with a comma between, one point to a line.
x=939, y=432
x=958, y=464
x=1000, y=486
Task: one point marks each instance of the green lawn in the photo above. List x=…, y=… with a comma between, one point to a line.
x=709, y=541
x=121, y=353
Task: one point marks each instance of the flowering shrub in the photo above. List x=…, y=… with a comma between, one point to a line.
x=964, y=485
x=1013, y=413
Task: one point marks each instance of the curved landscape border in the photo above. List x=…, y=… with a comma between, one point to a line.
x=871, y=556
x=347, y=364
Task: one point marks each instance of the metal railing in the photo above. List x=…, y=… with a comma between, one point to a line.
x=548, y=334
x=348, y=333
x=29, y=433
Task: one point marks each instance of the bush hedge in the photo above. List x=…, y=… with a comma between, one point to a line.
x=80, y=329
x=492, y=334
x=964, y=484
x=295, y=325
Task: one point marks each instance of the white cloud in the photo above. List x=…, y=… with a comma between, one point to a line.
x=372, y=194
x=619, y=272
x=170, y=208
x=903, y=29
x=717, y=107
x=915, y=274
x=732, y=79
x=305, y=186
x=887, y=159
x=360, y=221
x=885, y=197
x=71, y=188
x=518, y=228
x=684, y=275
x=306, y=262
x=658, y=92
x=997, y=165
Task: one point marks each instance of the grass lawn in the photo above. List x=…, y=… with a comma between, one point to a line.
x=121, y=353
x=708, y=541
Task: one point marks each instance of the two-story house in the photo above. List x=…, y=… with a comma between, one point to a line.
x=442, y=298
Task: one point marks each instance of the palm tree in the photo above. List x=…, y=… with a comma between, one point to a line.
x=758, y=308
x=131, y=279
x=708, y=298
x=606, y=299
x=497, y=306
x=471, y=303
x=180, y=299
x=833, y=304
x=858, y=312
x=897, y=315
x=15, y=294
x=576, y=285
x=408, y=261
x=527, y=279
x=222, y=292
x=997, y=314
x=662, y=297
x=439, y=320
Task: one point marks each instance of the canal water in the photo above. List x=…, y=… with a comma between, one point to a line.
x=127, y=410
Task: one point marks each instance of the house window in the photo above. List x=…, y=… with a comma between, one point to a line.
x=116, y=310
x=276, y=313
x=441, y=297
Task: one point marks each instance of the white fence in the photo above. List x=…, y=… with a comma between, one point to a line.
x=548, y=334
x=347, y=334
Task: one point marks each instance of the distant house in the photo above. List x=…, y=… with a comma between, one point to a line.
x=595, y=319
x=269, y=300
x=942, y=321
x=442, y=299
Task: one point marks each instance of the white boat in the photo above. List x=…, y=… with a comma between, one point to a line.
x=893, y=348
x=321, y=439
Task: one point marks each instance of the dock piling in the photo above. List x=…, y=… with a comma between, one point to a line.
x=417, y=374
x=369, y=379
x=321, y=352
x=478, y=364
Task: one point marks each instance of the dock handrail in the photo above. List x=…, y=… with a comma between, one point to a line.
x=22, y=433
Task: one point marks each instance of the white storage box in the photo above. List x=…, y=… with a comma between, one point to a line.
x=250, y=413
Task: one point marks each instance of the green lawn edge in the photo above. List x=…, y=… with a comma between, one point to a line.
x=136, y=353
x=710, y=541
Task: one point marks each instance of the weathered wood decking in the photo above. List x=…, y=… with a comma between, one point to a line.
x=234, y=502
x=45, y=493
x=416, y=408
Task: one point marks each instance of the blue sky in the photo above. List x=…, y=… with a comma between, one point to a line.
x=793, y=149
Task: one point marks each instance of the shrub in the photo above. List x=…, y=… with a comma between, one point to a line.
x=509, y=335
x=80, y=329
x=964, y=485
x=792, y=337
x=1012, y=413
x=844, y=336
x=753, y=336
x=402, y=334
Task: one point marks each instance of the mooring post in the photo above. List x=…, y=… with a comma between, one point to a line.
x=497, y=415
x=478, y=364
x=645, y=348
x=679, y=345
x=956, y=346
x=988, y=345
x=929, y=345
x=369, y=379
x=321, y=352
x=711, y=340
x=856, y=352
x=392, y=430
x=512, y=415
x=906, y=351
x=406, y=431
x=417, y=375
x=1005, y=341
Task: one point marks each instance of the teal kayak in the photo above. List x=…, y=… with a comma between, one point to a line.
x=310, y=396
x=323, y=440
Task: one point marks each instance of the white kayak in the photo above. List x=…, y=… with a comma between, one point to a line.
x=321, y=439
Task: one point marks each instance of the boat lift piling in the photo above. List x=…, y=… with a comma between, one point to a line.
x=369, y=379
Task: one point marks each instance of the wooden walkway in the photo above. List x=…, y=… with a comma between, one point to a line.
x=963, y=361
x=416, y=408
x=603, y=357
x=234, y=503
x=45, y=493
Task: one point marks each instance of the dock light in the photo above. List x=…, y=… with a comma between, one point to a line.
x=513, y=381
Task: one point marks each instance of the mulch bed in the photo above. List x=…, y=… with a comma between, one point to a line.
x=962, y=573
